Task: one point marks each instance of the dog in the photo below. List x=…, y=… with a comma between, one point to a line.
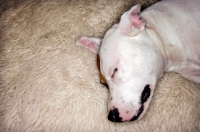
x=135, y=53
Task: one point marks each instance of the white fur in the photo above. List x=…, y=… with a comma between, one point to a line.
x=169, y=42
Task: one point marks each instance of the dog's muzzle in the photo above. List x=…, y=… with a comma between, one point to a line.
x=114, y=114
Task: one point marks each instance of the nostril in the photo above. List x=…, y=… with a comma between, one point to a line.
x=114, y=116
x=145, y=94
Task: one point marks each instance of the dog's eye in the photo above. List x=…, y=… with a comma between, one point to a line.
x=114, y=71
x=145, y=94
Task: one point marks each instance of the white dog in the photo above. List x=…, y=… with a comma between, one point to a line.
x=134, y=53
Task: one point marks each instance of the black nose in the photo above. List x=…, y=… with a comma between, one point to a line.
x=145, y=94
x=114, y=116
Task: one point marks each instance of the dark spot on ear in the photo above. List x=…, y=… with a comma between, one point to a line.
x=127, y=112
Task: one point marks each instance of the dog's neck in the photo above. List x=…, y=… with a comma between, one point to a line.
x=169, y=52
x=177, y=57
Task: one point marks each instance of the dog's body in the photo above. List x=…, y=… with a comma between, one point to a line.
x=135, y=53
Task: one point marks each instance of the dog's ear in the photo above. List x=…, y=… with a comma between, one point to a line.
x=91, y=43
x=131, y=23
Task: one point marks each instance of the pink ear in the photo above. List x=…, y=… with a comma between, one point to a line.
x=131, y=20
x=90, y=43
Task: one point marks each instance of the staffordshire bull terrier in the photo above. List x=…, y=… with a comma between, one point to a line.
x=134, y=53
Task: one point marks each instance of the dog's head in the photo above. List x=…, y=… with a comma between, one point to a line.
x=128, y=65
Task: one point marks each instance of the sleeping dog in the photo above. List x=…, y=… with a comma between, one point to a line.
x=134, y=53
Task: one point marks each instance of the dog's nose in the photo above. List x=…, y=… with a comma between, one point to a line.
x=114, y=116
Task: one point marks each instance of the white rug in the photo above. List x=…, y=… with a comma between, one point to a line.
x=48, y=84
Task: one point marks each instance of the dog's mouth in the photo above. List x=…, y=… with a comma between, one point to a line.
x=139, y=112
x=145, y=95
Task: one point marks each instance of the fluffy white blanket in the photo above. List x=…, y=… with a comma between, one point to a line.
x=47, y=83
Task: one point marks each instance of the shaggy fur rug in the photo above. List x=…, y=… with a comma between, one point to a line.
x=48, y=84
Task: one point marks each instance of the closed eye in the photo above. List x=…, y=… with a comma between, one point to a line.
x=114, y=71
